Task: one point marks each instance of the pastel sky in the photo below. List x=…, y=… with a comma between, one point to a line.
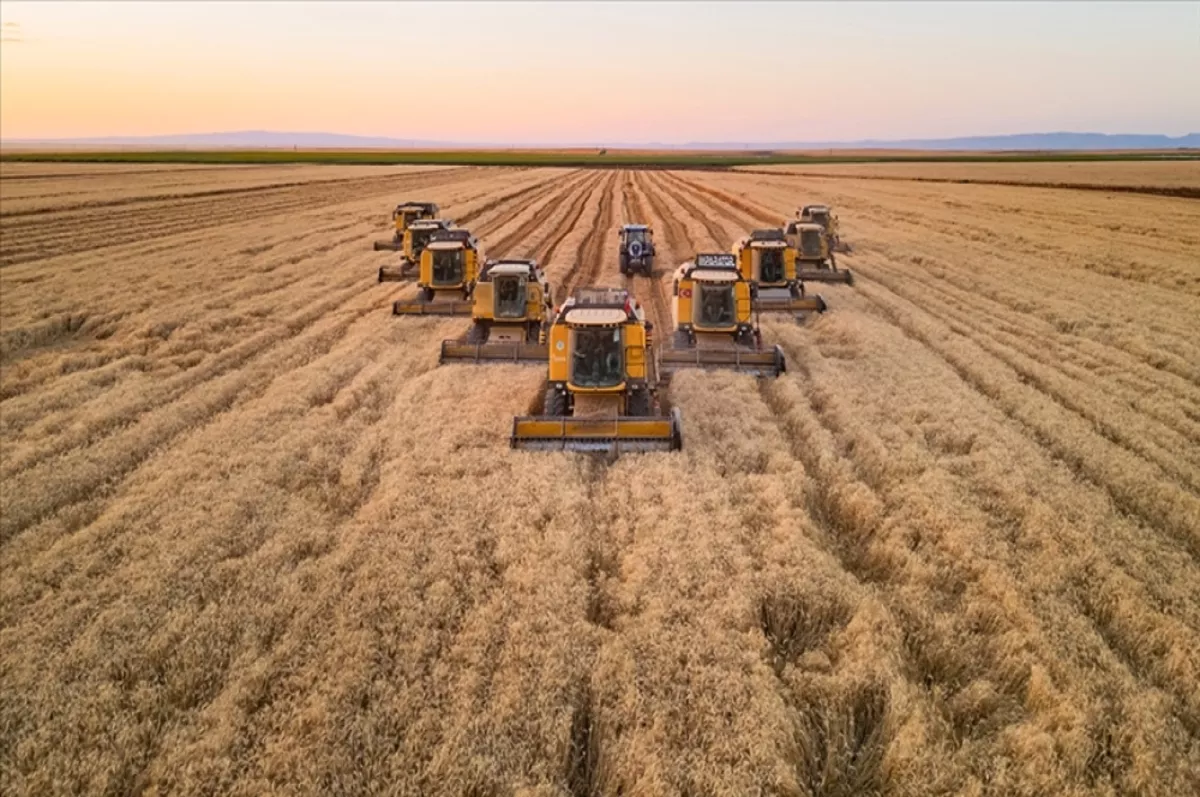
x=604, y=72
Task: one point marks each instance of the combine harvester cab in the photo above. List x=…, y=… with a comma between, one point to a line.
x=824, y=215
x=509, y=316
x=767, y=262
x=449, y=266
x=602, y=391
x=404, y=215
x=714, y=327
x=636, y=249
x=814, y=260
x=416, y=237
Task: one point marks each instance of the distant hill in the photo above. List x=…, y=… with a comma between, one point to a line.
x=1020, y=141
x=265, y=139
x=243, y=139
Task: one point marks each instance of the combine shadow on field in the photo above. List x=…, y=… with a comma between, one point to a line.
x=583, y=767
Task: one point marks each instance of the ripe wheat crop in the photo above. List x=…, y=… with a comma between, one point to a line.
x=255, y=540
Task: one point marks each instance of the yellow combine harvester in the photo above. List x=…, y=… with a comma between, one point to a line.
x=416, y=236
x=815, y=262
x=449, y=267
x=769, y=264
x=602, y=386
x=824, y=215
x=509, y=316
x=713, y=321
x=403, y=216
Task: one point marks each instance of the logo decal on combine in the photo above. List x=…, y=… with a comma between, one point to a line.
x=559, y=345
x=686, y=293
x=716, y=260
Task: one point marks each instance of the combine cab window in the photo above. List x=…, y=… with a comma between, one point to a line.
x=821, y=217
x=770, y=265
x=635, y=235
x=598, y=358
x=420, y=239
x=715, y=305
x=510, y=297
x=448, y=267
x=810, y=243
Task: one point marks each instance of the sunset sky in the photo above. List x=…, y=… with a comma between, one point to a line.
x=599, y=72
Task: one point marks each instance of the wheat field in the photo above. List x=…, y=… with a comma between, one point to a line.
x=255, y=541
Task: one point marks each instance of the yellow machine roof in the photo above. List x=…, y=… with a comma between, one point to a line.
x=715, y=275
x=768, y=244
x=596, y=316
x=503, y=269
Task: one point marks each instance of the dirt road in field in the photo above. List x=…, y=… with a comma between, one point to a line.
x=255, y=540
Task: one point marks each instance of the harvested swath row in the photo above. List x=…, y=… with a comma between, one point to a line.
x=1187, y=513
x=840, y=726
x=1133, y=486
x=998, y=677
x=586, y=268
x=533, y=224
x=255, y=274
x=1112, y=348
x=1122, y=358
x=1189, y=713
x=345, y=581
x=724, y=198
x=1148, y=231
x=1183, y=191
x=114, y=416
x=82, y=231
x=539, y=235
x=74, y=483
x=1047, y=366
x=1073, y=438
x=716, y=606
x=845, y=516
x=716, y=231
x=227, y=192
x=446, y=767
x=530, y=193
x=292, y=328
x=69, y=236
x=672, y=252
x=606, y=755
x=218, y=670
x=9, y=173
x=1158, y=174
x=1144, y=248
x=184, y=244
x=252, y=346
x=760, y=215
x=1163, y=505
x=516, y=243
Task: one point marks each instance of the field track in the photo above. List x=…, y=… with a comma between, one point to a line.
x=254, y=540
